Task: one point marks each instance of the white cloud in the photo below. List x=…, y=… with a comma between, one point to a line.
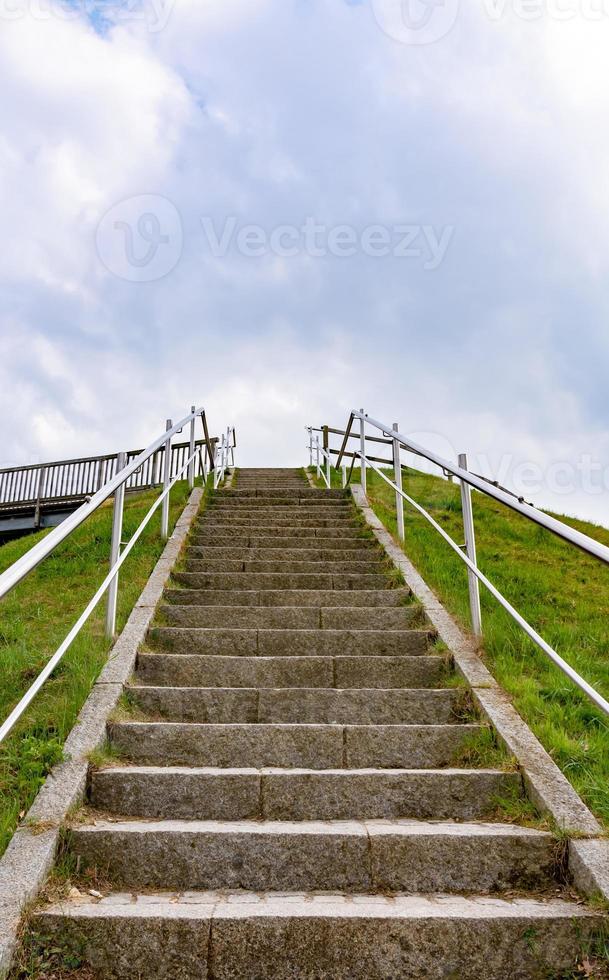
x=272, y=112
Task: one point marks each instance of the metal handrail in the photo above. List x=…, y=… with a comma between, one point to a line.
x=66, y=480
x=24, y=565
x=48, y=669
x=320, y=451
x=468, y=480
x=225, y=455
x=21, y=568
x=577, y=538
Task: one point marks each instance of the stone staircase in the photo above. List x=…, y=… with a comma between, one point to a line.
x=286, y=799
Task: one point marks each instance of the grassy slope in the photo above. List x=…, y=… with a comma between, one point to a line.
x=563, y=593
x=35, y=618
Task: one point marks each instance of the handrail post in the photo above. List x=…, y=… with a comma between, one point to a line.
x=470, y=550
x=310, y=447
x=362, y=446
x=115, y=549
x=328, y=457
x=318, y=461
x=344, y=469
x=218, y=463
x=397, y=472
x=166, y=481
x=191, y=449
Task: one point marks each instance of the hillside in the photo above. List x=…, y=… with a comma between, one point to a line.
x=35, y=618
x=562, y=592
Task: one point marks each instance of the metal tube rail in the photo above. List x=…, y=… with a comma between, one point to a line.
x=13, y=575
x=577, y=538
x=572, y=674
x=45, y=673
x=324, y=472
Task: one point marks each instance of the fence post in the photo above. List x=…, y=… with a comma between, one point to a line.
x=310, y=447
x=166, y=482
x=115, y=549
x=39, y=494
x=470, y=550
x=318, y=457
x=191, y=449
x=362, y=446
x=344, y=469
x=397, y=472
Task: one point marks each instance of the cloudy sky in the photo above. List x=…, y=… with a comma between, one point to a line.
x=284, y=209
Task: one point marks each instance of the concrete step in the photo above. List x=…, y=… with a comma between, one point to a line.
x=381, y=598
x=300, y=492
x=291, y=642
x=268, y=522
x=186, y=793
x=276, y=581
x=158, y=669
x=292, y=617
x=278, y=505
x=364, y=706
x=336, y=512
x=210, y=552
x=262, y=473
x=309, y=936
x=279, y=484
x=350, y=537
x=305, y=746
x=362, y=857
x=372, y=567
x=230, y=541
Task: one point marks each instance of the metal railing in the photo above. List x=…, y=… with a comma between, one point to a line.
x=320, y=452
x=115, y=487
x=390, y=436
x=76, y=479
x=225, y=456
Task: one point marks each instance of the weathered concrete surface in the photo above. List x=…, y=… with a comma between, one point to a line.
x=308, y=936
x=299, y=794
x=299, y=705
x=389, y=598
x=311, y=746
x=289, y=553
x=355, y=856
x=201, y=670
x=589, y=866
x=203, y=566
x=278, y=580
x=291, y=642
x=190, y=616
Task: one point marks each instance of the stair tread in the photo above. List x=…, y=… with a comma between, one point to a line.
x=366, y=827
x=224, y=904
x=290, y=726
x=445, y=773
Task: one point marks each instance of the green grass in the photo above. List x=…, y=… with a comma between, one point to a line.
x=35, y=618
x=562, y=592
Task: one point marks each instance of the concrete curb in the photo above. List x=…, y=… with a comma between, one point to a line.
x=30, y=854
x=547, y=787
